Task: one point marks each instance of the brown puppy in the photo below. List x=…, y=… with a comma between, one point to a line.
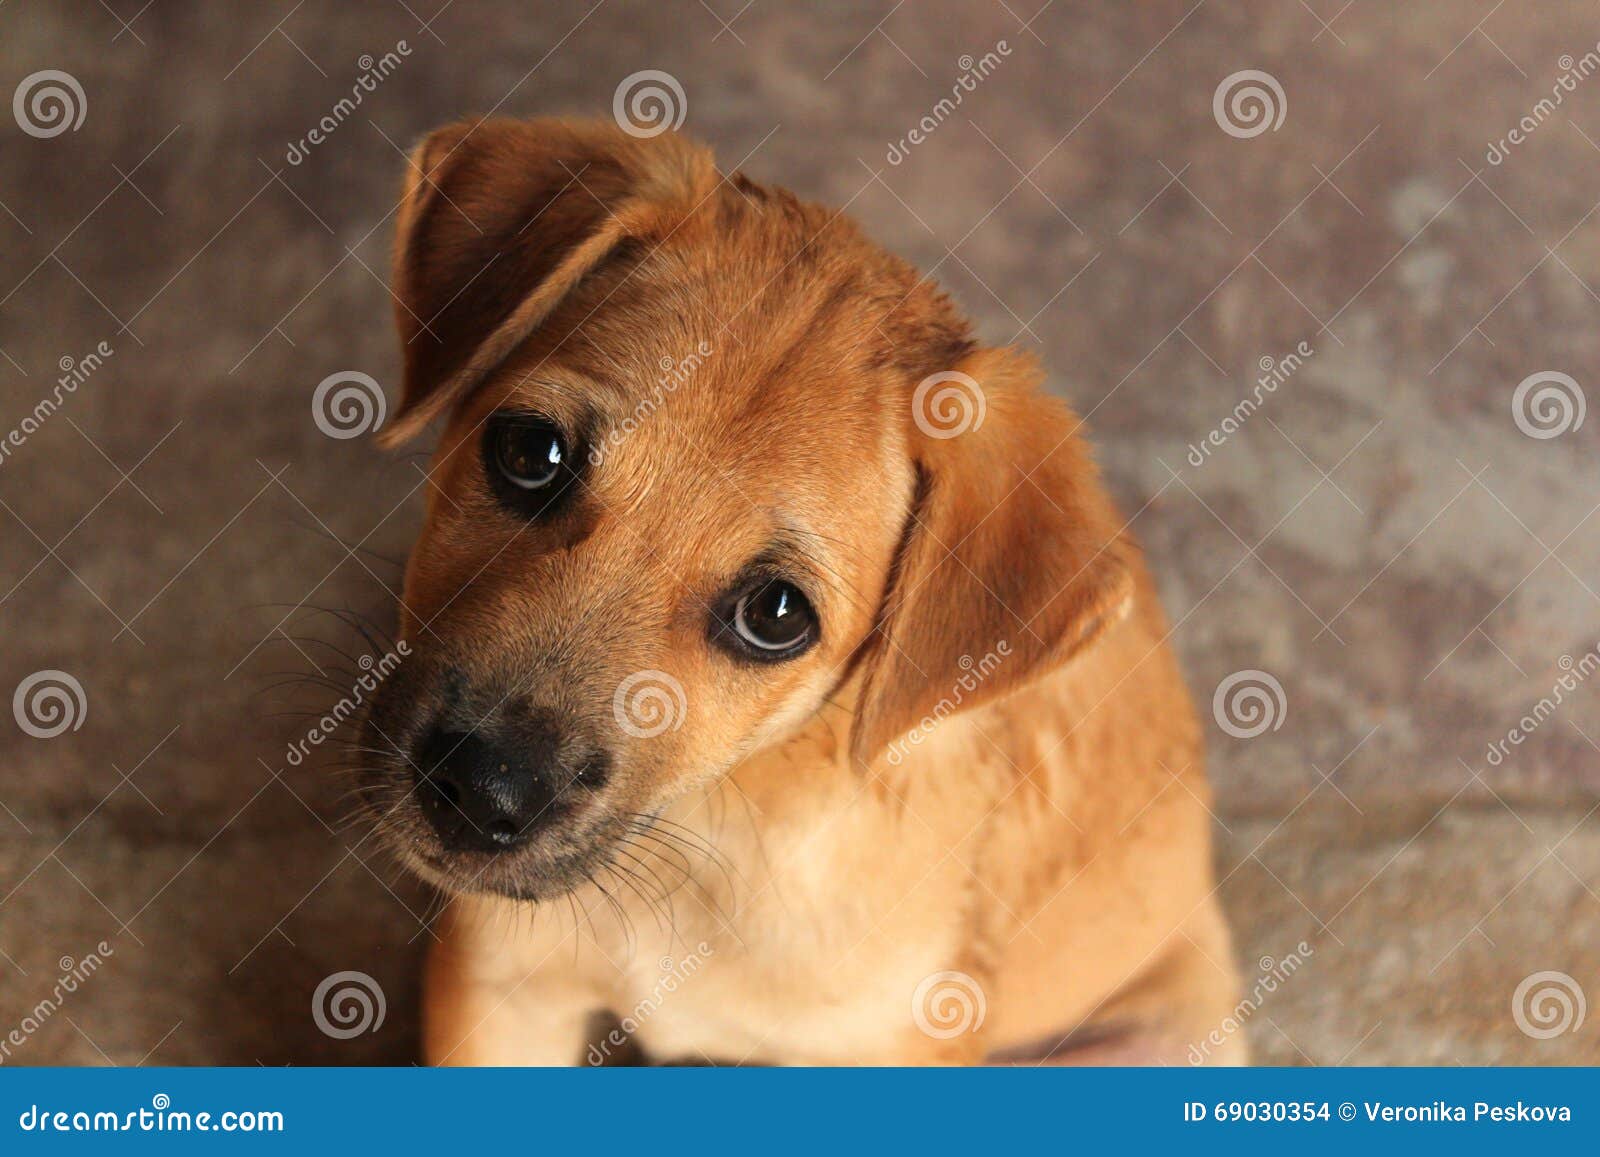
x=775, y=636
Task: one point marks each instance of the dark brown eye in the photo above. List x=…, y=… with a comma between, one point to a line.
x=529, y=452
x=774, y=618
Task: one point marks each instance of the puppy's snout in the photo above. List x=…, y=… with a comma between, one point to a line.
x=484, y=795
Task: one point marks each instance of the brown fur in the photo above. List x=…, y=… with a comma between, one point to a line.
x=1049, y=839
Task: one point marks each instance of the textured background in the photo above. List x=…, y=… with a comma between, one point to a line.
x=1381, y=537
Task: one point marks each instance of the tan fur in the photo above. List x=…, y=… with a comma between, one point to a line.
x=1048, y=837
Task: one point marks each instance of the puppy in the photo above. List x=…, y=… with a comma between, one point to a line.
x=783, y=682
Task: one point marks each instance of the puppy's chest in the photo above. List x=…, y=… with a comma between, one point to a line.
x=812, y=944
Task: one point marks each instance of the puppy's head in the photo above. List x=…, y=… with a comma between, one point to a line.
x=711, y=460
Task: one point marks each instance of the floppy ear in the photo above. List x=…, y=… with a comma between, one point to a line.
x=500, y=219
x=1012, y=562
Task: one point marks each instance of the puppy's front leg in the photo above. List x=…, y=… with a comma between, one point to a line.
x=489, y=1001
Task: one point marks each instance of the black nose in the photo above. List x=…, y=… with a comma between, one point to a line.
x=482, y=797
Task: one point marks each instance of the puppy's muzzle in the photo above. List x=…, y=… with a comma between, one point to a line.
x=485, y=794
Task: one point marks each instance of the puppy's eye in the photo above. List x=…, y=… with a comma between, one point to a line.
x=529, y=451
x=774, y=618
x=530, y=462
